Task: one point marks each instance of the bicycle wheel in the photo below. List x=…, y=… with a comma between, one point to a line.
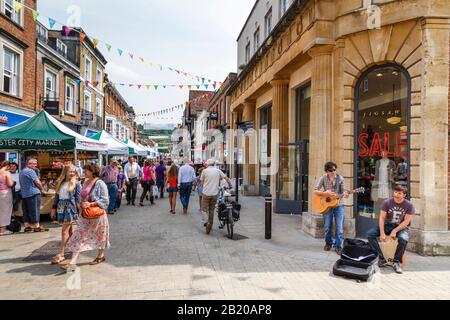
x=230, y=225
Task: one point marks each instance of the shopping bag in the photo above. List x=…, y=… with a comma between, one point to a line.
x=155, y=191
x=388, y=249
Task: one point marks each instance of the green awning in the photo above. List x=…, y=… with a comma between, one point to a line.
x=38, y=133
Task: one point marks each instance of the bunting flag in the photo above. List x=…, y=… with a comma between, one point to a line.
x=95, y=84
x=95, y=43
x=66, y=30
x=156, y=86
x=51, y=22
x=35, y=15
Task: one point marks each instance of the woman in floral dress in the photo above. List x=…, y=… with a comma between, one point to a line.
x=91, y=234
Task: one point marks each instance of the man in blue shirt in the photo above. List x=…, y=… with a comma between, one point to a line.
x=31, y=188
x=186, y=178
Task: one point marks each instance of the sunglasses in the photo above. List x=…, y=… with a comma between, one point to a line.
x=331, y=170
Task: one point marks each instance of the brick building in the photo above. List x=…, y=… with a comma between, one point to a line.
x=119, y=116
x=18, y=97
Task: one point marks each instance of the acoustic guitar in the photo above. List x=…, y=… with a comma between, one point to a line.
x=323, y=204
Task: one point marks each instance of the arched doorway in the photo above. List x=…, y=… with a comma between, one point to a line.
x=382, y=144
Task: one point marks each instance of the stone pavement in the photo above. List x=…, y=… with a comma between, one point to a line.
x=156, y=255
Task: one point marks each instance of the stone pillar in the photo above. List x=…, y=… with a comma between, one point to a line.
x=250, y=143
x=434, y=238
x=320, y=145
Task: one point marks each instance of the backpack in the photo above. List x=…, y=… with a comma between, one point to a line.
x=14, y=226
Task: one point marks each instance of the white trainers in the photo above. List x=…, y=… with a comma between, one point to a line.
x=6, y=233
x=398, y=268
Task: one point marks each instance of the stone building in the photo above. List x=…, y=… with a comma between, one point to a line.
x=353, y=82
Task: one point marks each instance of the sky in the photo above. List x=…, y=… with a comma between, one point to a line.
x=195, y=36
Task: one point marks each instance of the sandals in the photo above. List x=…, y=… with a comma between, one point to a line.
x=70, y=267
x=40, y=229
x=58, y=259
x=28, y=230
x=98, y=261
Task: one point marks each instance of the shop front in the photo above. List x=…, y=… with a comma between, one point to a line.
x=10, y=119
x=382, y=105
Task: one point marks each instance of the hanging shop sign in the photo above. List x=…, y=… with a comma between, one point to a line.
x=214, y=116
x=52, y=107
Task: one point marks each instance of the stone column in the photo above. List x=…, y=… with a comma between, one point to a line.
x=250, y=143
x=434, y=238
x=280, y=122
x=320, y=145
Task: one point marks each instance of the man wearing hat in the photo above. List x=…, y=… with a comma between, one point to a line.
x=109, y=176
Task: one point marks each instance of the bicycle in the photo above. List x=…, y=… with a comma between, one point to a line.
x=228, y=212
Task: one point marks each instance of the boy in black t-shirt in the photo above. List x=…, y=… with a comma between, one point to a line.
x=395, y=220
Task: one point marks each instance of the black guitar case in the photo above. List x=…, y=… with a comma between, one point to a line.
x=358, y=261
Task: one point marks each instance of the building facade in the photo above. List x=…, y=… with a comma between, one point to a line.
x=57, y=77
x=119, y=116
x=18, y=97
x=362, y=83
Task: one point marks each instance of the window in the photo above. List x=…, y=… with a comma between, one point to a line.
x=109, y=126
x=122, y=133
x=382, y=141
x=10, y=11
x=10, y=71
x=283, y=7
x=87, y=101
x=42, y=32
x=256, y=38
x=88, y=70
x=99, y=107
x=99, y=78
x=61, y=47
x=247, y=53
x=50, y=85
x=268, y=23
x=117, y=131
x=70, y=97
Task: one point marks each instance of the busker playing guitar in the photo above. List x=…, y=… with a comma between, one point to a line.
x=331, y=185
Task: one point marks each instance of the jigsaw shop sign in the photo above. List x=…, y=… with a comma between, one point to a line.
x=21, y=143
x=8, y=119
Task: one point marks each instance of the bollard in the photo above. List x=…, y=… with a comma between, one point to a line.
x=268, y=217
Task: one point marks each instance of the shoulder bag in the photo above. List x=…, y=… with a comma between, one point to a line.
x=93, y=212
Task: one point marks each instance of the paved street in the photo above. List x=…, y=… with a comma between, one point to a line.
x=156, y=255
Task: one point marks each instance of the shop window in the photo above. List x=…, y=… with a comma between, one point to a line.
x=382, y=144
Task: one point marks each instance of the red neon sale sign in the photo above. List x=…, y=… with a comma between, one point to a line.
x=381, y=143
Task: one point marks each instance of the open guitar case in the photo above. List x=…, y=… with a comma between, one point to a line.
x=358, y=261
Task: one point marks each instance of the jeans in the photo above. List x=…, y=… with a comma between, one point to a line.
x=338, y=214
x=31, y=208
x=185, y=194
x=160, y=185
x=112, y=191
x=132, y=190
x=209, y=207
x=403, y=238
x=148, y=188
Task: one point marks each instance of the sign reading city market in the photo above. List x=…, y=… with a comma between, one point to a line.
x=30, y=143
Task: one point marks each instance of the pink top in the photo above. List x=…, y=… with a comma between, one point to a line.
x=3, y=185
x=149, y=173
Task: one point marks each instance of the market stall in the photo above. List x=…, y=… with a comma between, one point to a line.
x=53, y=145
x=137, y=150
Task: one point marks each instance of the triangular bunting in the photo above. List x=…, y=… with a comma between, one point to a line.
x=131, y=55
x=108, y=46
x=82, y=36
x=95, y=43
x=120, y=51
x=18, y=6
x=95, y=84
x=51, y=22
x=156, y=87
x=66, y=30
x=148, y=87
x=139, y=86
x=35, y=15
x=142, y=59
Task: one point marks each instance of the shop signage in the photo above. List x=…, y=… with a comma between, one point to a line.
x=52, y=107
x=381, y=142
x=382, y=113
x=8, y=119
x=30, y=143
x=87, y=116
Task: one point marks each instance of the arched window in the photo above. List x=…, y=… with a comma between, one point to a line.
x=382, y=109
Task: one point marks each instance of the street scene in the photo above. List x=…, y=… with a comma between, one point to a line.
x=247, y=150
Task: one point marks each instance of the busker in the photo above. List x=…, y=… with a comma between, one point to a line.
x=395, y=220
x=331, y=184
x=66, y=206
x=210, y=179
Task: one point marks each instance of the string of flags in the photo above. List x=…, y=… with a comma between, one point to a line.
x=121, y=52
x=164, y=86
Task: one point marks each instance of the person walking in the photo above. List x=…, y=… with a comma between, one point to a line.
x=6, y=198
x=161, y=173
x=66, y=206
x=121, y=188
x=31, y=188
x=172, y=183
x=186, y=179
x=210, y=179
x=132, y=172
x=148, y=181
x=91, y=234
x=109, y=176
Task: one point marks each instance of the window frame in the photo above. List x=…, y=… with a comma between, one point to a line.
x=88, y=77
x=256, y=40
x=50, y=71
x=68, y=99
x=248, y=53
x=268, y=30
x=4, y=44
x=17, y=18
x=61, y=47
x=99, y=102
x=100, y=81
x=89, y=96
